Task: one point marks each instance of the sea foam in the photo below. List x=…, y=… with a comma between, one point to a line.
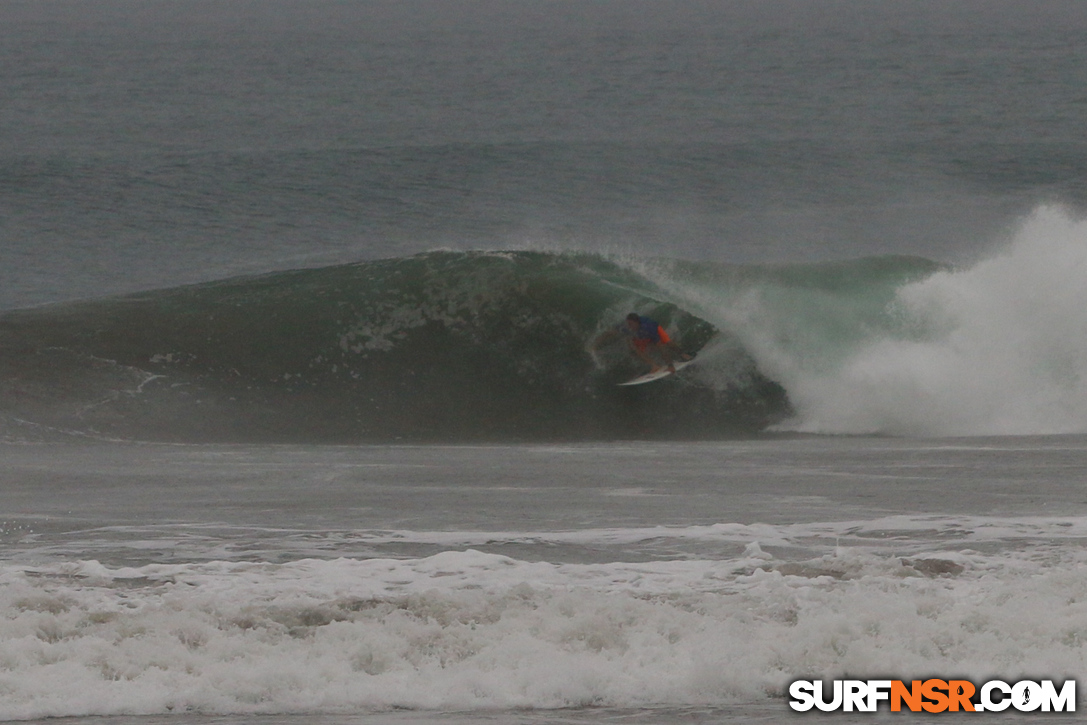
x=465, y=630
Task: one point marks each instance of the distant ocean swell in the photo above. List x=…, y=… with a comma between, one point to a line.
x=458, y=346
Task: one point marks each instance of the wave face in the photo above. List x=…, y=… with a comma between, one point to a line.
x=439, y=346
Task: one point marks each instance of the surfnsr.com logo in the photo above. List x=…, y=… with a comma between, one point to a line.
x=933, y=695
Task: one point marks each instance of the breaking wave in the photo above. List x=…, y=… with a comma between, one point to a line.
x=996, y=348
x=460, y=346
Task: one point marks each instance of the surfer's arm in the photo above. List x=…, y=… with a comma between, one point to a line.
x=603, y=338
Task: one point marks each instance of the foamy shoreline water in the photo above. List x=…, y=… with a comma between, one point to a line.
x=467, y=630
x=128, y=602
x=748, y=713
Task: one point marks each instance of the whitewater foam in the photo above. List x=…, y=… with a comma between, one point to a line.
x=997, y=348
x=150, y=579
x=467, y=630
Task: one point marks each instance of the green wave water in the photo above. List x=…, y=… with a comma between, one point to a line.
x=439, y=346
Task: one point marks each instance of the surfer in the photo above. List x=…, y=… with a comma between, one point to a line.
x=646, y=335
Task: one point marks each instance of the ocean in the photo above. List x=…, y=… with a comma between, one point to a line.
x=309, y=412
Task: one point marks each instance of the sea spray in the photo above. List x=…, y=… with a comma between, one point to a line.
x=996, y=348
x=906, y=347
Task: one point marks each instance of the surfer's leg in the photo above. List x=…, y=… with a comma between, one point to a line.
x=641, y=349
x=666, y=353
x=677, y=352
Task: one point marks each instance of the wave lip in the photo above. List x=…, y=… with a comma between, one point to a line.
x=437, y=347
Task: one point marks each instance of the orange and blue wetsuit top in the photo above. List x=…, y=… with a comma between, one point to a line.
x=649, y=332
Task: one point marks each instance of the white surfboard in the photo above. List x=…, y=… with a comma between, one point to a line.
x=662, y=373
